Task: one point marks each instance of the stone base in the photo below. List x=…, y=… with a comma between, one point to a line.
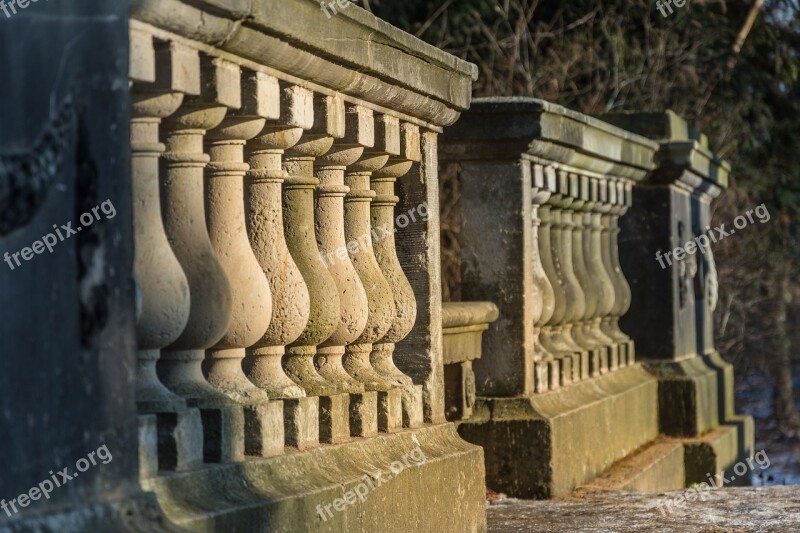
x=688, y=396
x=223, y=433
x=334, y=414
x=656, y=468
x=264, y=429
x=548, y=444
x=179, y=441
x=138, y=512
x=413, y=407
x=283, y=492
x=364, y=414
x=719, y=451
x=390, y=410
x=301, y=422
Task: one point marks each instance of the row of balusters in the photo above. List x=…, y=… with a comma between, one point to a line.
x=248, y=199
x=582, y=289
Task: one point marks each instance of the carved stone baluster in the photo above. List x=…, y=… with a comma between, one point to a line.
x=364, y=414
x=543, y=312
x=250, y=291
x=623, y=302
x=606, y=324
x=600, y=279
x=162, y=286
x=263, y=198
x=561, y=243
x=299, y=228
x=185, y=223
x=383, y=221
x=330, y=169
x=591, y=347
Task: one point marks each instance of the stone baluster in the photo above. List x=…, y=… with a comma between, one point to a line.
x=299, y=228
x=588, y=278
x=623, y=303
x=572, y=298
x=544, y=360
x=380, y=298
x=609, y=324
x=330, y=169
x=185, y=223
x=383, y=222
x=163, y=289
x=250, y=290
x=263, y=199
x=600, y=279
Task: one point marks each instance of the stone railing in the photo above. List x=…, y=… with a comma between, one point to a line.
x=543, y=189
x=286, y=228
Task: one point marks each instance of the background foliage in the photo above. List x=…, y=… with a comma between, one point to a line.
x=731, y=68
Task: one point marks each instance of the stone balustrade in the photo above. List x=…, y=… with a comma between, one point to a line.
x=543, y=190
x=285, y=208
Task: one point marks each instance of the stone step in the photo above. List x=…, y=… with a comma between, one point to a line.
x=657, y=467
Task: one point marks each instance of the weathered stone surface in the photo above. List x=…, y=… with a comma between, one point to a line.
x=546, y=445
x=736, y=509
x=280, y=493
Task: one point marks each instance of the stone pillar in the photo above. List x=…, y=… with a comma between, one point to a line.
x=185, y=222
x=162, y=286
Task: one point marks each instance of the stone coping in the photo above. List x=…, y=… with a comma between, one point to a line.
x=683, y=150
x=513, y=127
x=353, y=52
x=462, y=314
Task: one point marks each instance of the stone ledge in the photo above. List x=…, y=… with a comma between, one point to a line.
x=546, y=445
x=273, y=494
x=718, y=451
x=656, y=468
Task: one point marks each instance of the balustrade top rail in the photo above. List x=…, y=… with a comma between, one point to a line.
x=353, y=53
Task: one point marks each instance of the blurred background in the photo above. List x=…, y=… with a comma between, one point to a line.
x=730, y=68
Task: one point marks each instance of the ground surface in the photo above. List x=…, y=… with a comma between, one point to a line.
x=748, y=509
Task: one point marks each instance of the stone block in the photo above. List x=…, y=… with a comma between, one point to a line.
x=390, y=411
x=459, y=383
x=364, y=414
x=413, y=416
x=180, y=440
x=264, y=429
x=334, y=414
x=223, y=433
x=301, y=422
